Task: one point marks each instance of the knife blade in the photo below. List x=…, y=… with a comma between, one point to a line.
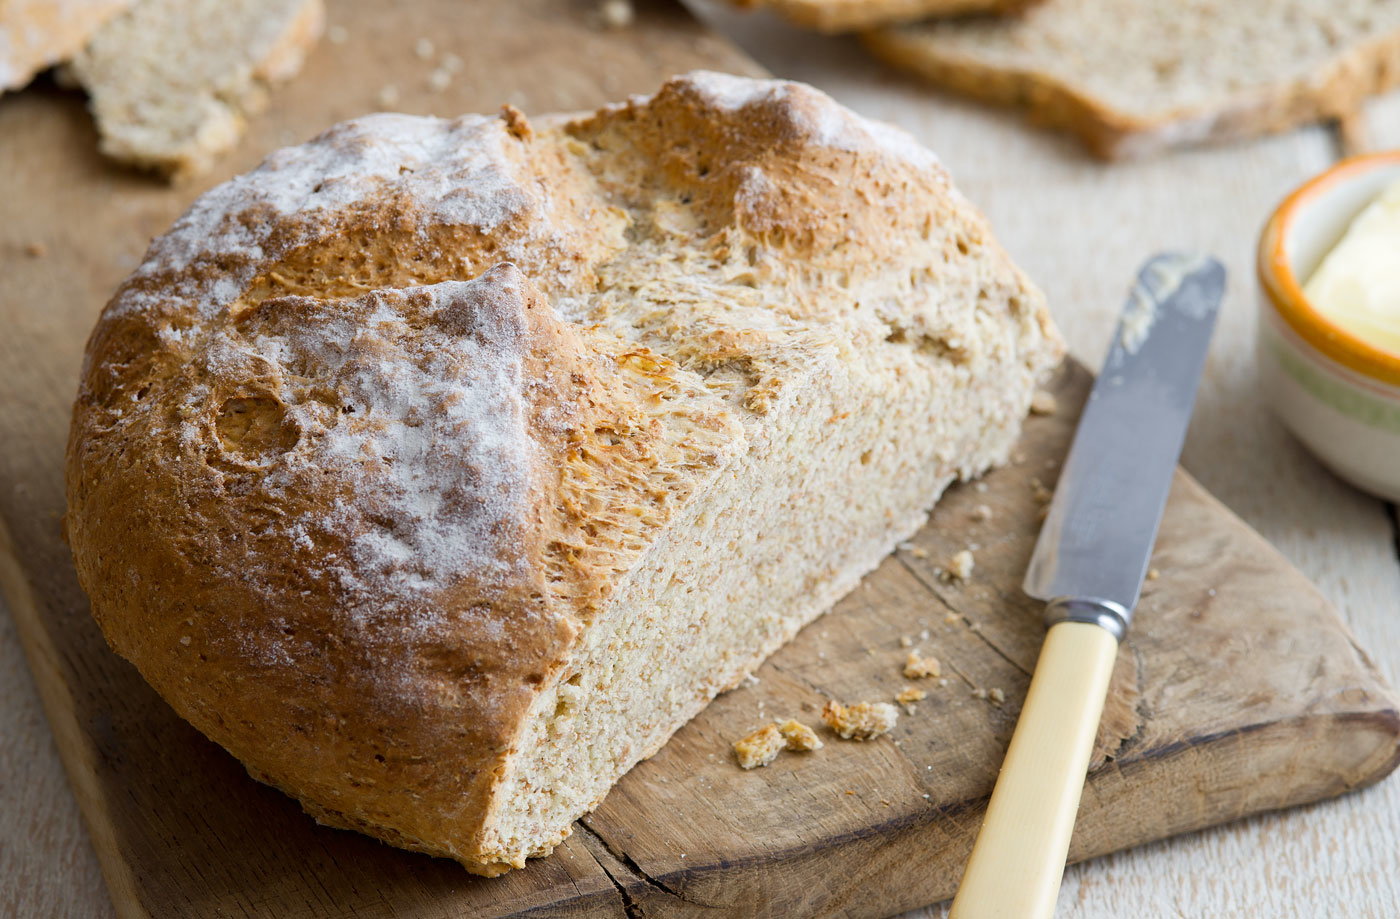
x=1088, y=566
x=1097, y=539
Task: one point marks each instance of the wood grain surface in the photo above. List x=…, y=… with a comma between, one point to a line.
x=1236, y=718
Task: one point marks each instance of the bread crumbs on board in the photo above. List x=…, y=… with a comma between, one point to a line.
x=917, y=667
x=759, y=748
x=799, y=737
x=1043, y=403
x=908, y=696
x=862, y=721
x=961, y=564
x=763, y=745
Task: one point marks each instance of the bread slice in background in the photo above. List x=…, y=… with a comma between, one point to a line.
x=1134, y=76
x=35, y=34
x=854, y=15
x=172, y=82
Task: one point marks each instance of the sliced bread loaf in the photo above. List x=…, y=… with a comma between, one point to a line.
x=441, y=470
x=35, y=34
x=1132, y=76
x=854, y=15
x=172, y=82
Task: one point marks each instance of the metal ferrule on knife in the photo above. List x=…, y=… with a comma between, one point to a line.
x=1112, y=617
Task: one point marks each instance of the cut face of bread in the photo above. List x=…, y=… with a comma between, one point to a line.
x=1131, y=76
x=853, y=15
x=172, y=82
x=35, y=34
x=441, y=470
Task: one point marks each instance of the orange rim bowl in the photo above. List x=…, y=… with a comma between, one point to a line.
x=1285, y=292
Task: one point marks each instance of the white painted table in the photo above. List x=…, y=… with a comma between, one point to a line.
x=1079, y=228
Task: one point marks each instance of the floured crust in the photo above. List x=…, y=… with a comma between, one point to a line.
x=1117, y=129
x=834, y=16
x=35, y=34
x=372, y=436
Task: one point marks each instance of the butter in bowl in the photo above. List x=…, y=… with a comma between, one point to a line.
x=1329, y=330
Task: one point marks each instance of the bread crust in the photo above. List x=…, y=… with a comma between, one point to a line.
x=1335, y=91
x=838, y=16
x=369, y=440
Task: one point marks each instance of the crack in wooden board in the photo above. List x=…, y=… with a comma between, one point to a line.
x=1250, y=699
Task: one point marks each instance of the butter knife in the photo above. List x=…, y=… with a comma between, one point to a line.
x=1088, y=567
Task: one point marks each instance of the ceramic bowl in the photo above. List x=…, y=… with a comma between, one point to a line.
x=1339, y=394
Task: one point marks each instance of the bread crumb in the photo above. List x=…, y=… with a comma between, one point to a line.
x=388, y=96
x=905, y=641
x=978, y=693
x=337, y=35
x=980, y=487
x=517, y=125
x=760, y=748
x=908, y=696
x=1043, y=403
x=439, y=80
x=996, y=695
x=919, y=552
x=850, y=791
x=799, y=737
x=185, y=640
x=423, y=47
x=36, y=250
x=1041, y=493
x=451, y=62
x=862, y=721
x=916, y=667
x=1153, y=574
x=616, y=14
x=951, y=617
x=981, y=513
x=961, y=564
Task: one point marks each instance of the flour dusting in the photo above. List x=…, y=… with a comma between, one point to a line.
x=427, y=435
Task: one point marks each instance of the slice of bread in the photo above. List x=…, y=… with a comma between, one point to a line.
x=854, y=15
x=172, y=82
x=35, y=34
x=441, y=470
x=1134, y=76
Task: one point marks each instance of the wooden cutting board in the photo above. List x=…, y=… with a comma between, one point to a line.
x=1238, y=691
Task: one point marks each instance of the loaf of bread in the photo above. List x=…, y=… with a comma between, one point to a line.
x=35, y=34
x=173, y=82
x=441, y=469
x=854, y=15
x=1135, y=76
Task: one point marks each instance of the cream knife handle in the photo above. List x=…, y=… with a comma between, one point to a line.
x=1019, y=857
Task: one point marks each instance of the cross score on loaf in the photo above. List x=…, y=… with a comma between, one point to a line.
x=440, y=470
